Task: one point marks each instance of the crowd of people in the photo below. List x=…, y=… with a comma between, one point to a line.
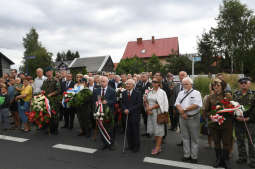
x=127, y=98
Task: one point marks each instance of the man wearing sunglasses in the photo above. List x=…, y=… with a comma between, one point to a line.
x=245, y=97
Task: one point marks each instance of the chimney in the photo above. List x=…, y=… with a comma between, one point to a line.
x=139, y=41
x=153, y=39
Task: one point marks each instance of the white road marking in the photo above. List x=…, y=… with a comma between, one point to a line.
x=176, y=163
x=10, y=138
x=75, y=148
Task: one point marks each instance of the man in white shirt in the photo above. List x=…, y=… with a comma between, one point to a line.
x=38, y=81
x=91, y=84
x=188, y=104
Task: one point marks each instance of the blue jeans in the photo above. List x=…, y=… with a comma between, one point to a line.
x=22, y=110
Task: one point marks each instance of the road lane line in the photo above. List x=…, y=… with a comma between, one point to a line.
x=75, y=148
x=10, y=138
x=176, y=163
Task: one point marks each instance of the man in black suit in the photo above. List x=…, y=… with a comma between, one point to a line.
x=69, y=112
x=176, y=90
x=115, y=83
x=109, y=98
x=143, y=85
x=62, y=81
x=131, y=105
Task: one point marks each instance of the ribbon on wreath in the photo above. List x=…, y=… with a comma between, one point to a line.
x=100, y=124
x=47, y=103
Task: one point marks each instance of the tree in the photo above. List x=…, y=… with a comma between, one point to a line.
x=176, y=63
x=31, y=43
x=153, y=65
x=69, y=55
x=42, y=58
x=132, y=65
x=232, y=38
x=77, y=55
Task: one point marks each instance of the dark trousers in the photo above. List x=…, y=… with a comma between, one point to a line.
x=222, y=134
x=174, y=117
x=241, y=135
x=145, y=117
x=110, y=130
x=69, y=114
x=61, y=112
x=133, y=133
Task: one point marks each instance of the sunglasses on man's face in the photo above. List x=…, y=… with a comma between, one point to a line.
x=243, y=83
x=155, y=81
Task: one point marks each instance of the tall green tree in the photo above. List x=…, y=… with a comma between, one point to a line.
x=177, y=63
x=153, y=65
x=132, y=65
x=41, y=57
x=69, y=55
x=232, y=38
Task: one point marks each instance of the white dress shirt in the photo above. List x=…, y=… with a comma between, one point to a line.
x=38, y=84
x=193, y=98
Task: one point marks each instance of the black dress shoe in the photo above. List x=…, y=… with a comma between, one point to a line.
x=144, y=134
x=81, y=134
x=241, y=161
x=103, y=147
x=185, y=159
x=135, y=150
x=194, y=161
x=111, y=148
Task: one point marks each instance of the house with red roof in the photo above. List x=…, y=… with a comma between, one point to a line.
x=162, y=48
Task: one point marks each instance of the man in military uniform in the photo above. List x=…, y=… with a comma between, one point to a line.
x=246, y=98
x=51, y=88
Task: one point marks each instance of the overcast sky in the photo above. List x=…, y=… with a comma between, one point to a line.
x=103, y=27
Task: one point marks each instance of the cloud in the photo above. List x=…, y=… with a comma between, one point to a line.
x=103, y=27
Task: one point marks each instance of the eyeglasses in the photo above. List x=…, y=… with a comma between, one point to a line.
x=243, y=83
x=154, y=81
x=185, y=84
x=218, y=85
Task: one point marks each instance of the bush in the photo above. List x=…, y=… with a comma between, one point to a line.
x=202, y=85
x=232, y=80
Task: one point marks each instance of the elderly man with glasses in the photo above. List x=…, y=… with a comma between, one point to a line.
x=188, y=104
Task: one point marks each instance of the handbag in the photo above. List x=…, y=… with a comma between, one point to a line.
x=163, y=118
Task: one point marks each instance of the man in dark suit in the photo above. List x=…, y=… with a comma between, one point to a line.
x=143, y=85
x=176, y=90
x=132, y=102
x=108, y=98
x=62, y=81
x=69, y=112
x=115, y=83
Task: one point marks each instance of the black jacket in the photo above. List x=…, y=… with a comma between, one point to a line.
x=133, y=105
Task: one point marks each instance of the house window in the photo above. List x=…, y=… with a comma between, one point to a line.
x=143, y=51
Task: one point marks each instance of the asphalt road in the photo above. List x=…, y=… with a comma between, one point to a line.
x=38, y=153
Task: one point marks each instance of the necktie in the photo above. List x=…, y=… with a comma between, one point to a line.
x=143, y=85
x=129, y=97
x=67, y=84
x=181, y=87
x=103, y=92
